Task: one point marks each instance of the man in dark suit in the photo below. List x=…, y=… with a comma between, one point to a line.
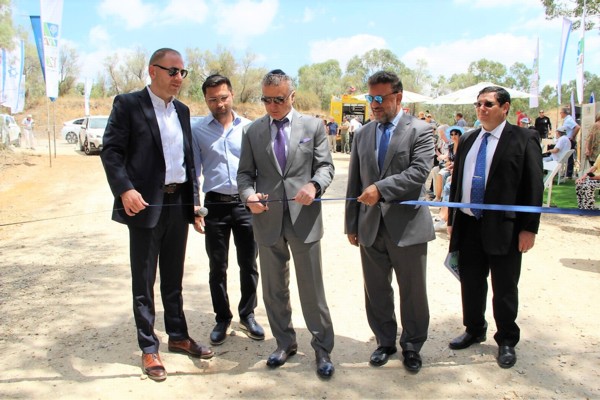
x=390, y=161
x=285, y=155
x=497, y=164
x=147, y=156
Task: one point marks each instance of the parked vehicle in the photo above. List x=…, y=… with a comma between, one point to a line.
x=91, y=133
x=9, y=131
x=70, y=130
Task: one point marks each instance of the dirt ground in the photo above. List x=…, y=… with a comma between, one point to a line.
x=67, y=330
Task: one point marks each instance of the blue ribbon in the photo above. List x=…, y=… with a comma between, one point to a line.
x=502, y=207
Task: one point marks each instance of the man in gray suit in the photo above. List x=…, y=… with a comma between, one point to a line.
x=391, y=158
x=285, y=155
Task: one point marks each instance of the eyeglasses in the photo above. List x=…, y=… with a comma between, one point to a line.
x=454, y=134
x=378, y=99
x=173, y=71
x=276, y=100
x=486, y=104
x=221, y=99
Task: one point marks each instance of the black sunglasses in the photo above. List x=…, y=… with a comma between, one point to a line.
x=486, y=104
x=276, y=100
x=173, y=71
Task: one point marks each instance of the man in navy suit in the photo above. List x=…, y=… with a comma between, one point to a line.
x=508, y=161
x=147, y=156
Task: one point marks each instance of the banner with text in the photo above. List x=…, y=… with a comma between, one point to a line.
x=51, y=16
x=12, y=74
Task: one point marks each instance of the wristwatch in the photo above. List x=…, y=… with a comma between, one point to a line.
x=317, y=187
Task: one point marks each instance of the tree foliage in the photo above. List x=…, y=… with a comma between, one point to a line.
x=7, y=31
x=574, y=9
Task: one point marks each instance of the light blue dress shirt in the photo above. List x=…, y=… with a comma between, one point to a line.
x=217, y=153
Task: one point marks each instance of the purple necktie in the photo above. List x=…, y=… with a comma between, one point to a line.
x=279, y=144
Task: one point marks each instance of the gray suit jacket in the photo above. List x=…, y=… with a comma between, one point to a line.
x=407, y=164
x=308, y=160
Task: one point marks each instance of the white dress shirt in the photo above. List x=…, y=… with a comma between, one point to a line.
x=171, y=136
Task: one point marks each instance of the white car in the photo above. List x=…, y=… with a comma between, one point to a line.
x=91, y=133
x=70, y=130
x=9, y=131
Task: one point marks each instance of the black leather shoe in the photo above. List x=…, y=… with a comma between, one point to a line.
x=280, y=356
x=412, y=361
x=219, y=333
x=252, y=328
x=381, y=355
x=465, y=340
x=507, y=357
x=325, y=367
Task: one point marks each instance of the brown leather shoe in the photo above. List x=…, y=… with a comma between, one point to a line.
x=153, y=367
x=190, y=347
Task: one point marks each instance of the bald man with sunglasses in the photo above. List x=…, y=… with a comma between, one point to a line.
x=147, y=157
x=285, y=164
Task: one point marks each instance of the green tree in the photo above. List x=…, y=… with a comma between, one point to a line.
x=322, y=79
x=7, y=30
x=359, y=69
x=574, y=10
x=69, y=69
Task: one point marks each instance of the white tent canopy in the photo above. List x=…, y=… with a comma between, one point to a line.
x=469, y=94
x=407, y=97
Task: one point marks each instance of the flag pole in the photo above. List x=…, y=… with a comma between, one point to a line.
x=48, y=131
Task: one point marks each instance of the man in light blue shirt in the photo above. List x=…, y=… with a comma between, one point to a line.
x=217, y=140
x=572, y=128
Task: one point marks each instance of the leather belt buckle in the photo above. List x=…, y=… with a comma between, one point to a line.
x=171, y=188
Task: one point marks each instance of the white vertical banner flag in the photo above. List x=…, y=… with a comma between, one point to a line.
x=579, y=65
x=573, y=111
x=86, y=95
x=2, y=73
x=566, y=30
x=12, y=75
x=51, y=16
x=535, y=78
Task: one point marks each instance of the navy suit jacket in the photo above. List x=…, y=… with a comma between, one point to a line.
x=133, y=157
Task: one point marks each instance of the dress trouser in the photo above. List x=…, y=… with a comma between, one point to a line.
x=165, y=245
x=222, y=219
x=409, y=265
x=275, y=277
x=571, y=160
x=474, y=266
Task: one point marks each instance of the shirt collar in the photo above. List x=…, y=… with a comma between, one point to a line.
x=157, y=101
x=395, y=121
x=288, y=116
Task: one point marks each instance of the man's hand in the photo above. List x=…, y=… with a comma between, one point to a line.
x=353, y=239
x=133, y=202
x=370, y=196
x=198, y=221
x=526, y=241
x=254, y=204
x=306, y=194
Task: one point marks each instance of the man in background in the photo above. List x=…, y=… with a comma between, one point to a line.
x=217, y=140
x=543, y=125
x=572, y=129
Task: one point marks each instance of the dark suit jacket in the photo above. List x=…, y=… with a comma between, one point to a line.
x=133, y=158
x=407, y=163
x=515, y=177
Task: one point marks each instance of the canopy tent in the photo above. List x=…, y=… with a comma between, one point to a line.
x=469, y=94
x=407, y=97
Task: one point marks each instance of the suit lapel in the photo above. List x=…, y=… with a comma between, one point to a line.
x=150, y=115
x=296, y=133
x=465, y=146
x=264, y=126
x=396, y=141
x=503, y=144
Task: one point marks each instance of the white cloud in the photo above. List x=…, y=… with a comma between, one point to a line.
x=453, y=58
x=135, y=13
x=99, y=36
x=343, y=49
x=245, y=19
x=514, y=4
x=178, y=11
x=309, y=15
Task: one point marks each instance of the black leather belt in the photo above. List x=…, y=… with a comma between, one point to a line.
x=171, y=187
x=215, y=197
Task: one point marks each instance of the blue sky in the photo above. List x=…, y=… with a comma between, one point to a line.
x=448, y=34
